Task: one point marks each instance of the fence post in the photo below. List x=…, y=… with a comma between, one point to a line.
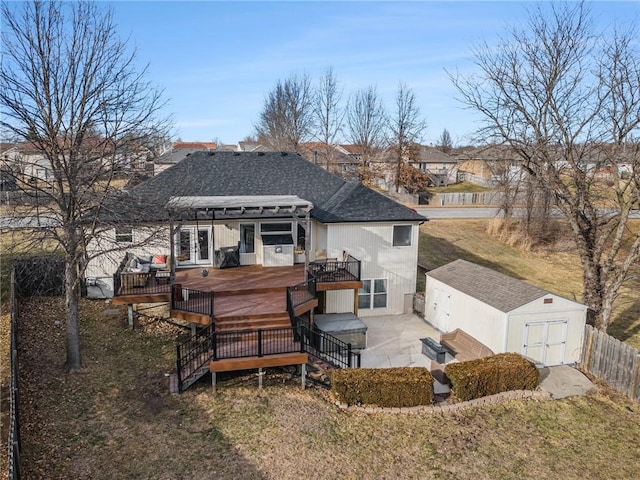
x=260, y=342
x=178, y=368
x=349, y=355
x=635, y=379
x=586, y=362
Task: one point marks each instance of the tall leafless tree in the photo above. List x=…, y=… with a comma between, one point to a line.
x=70, y=89
x=445, y=144
x=286, y=119
x=566, y=98
x=406, y=126
x=367, y=123
x=328, y=112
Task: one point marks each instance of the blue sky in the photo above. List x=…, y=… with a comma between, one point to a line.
x=217, y=60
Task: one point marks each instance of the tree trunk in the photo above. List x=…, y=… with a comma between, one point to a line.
x=72, y=301
x=593, y=294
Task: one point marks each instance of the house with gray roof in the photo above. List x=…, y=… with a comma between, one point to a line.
x=441, y=168
x=278, y=209
x=504, y=313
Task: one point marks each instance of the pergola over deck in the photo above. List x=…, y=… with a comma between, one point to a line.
x=220, y=208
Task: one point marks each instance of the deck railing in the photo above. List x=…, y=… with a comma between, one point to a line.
x=139, y=283
x=192, y=300
x=193, y=355
x=335, y=270
x=298, y=295
x=255, y=343
x=117, y=283
x=327, y=347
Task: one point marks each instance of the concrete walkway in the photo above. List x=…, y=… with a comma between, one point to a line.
x=564, y=381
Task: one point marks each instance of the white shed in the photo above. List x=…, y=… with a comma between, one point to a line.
x=504, y=313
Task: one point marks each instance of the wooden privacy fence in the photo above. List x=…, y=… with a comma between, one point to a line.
x=612, y=361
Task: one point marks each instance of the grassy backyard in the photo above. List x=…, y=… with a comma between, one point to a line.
x=118, y=420
x=443, y=241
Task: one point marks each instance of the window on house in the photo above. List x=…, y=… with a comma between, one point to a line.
x=124, y=235
x=373, y=293
x=247, y=238
x=402, y=235
x=280, y=227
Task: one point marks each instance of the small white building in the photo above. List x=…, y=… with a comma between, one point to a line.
x=504, y=313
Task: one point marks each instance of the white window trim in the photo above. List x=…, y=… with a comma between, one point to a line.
x=410, y=236
x=371, y=295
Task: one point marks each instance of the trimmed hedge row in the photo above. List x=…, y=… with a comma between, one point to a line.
x=491, y=375
x=384, y=387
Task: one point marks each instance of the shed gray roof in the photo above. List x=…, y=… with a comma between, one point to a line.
x=493, y=288
x=216, y=173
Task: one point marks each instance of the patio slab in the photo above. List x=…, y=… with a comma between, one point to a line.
x=394, y=341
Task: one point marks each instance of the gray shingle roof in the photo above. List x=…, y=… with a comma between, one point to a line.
x=175, y=155
x=493, y=288
x=216, y=173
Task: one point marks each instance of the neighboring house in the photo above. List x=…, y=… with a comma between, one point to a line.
x=441, y=168
x=486, y=165
x=195, y=145
x=261, y=202
x=504, y=313
x=28, y=165
x=172, y=157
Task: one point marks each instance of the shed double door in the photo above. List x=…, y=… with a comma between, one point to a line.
x=545, y=342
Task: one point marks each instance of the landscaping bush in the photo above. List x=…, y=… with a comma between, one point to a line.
x=491, y=375
x=384, y=387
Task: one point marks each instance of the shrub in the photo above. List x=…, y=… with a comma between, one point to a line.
x=491, y=375
x=384, y=387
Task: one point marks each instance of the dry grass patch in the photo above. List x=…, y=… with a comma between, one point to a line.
x=443, y=241
x=118, y=420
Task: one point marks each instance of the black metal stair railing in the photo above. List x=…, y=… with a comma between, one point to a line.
x=193, y=355
x=326, y=347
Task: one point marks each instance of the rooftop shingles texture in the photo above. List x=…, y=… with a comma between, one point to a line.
x=493, y=288
x=174, y=156
x=268, y=173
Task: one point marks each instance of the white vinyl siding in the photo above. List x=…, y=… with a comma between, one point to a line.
x=372, y=244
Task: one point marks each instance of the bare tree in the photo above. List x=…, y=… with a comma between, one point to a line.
x=367, y=122
x=445, y=144
x=287, y=115
x=70, y=89
x=566, y=98
x=328, y=113
x=407, y=127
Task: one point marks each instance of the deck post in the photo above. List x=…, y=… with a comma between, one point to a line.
x=307, y=244
x=194, y=330
x=130, y=315
x=260, y=374
x=213, y=382
x=303, y=376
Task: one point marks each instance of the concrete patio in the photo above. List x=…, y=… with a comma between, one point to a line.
x=394, y=341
